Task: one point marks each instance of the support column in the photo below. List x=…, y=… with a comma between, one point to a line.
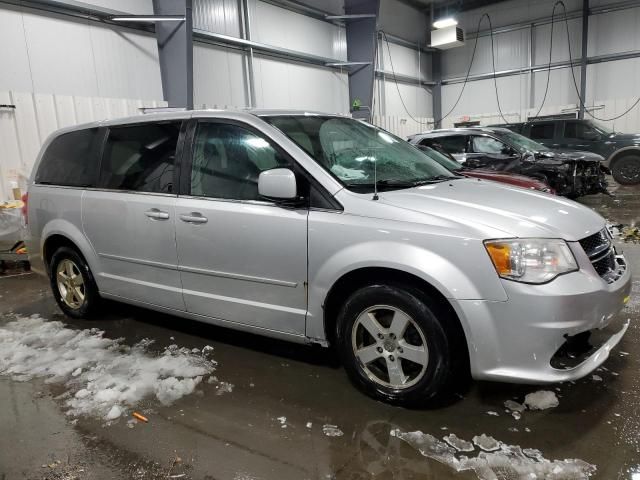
x=583, y=60
x=246, y=31
x=436, y=90
x=175, y=51
x=361, y=47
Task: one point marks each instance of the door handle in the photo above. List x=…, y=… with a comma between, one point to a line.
x=193, y=217
x=156, y=214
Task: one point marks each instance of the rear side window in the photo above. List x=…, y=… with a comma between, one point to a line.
x=453, y=144
x=140, y=158
x=542, y=131
x=70, y=160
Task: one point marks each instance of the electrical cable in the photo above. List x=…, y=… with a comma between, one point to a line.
x=546, y=89
x=466, y=79
x=575, y=82
x=493, y=62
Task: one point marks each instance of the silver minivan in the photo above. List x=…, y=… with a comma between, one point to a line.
x=326, y=230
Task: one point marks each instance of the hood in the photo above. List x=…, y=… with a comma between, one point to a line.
x=514, y=211
x=562, y=154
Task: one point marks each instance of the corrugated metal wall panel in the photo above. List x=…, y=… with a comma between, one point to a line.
x=406, y=61
x=388, y=101
x=36, y=116
x=604, y=39
x=219, y=16
x=65, y=56
x=133, y=7
x=218, y=77
x=302, y=33
x=403, y=126
x=291, y=85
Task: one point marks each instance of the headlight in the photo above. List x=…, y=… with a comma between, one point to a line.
x=531, y=260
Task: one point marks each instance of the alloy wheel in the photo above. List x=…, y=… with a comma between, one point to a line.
x=390, y=347
x=70, y=284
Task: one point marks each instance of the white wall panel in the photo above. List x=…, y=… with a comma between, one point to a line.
x=604, y=39
x=292, y=85
x=389, y=101
x=219, y=16
x=562, y=90
x=277, y=26
x=36, y=116
x=406, y=61
x=560, y=45
x=65, y=56
x=218, y=77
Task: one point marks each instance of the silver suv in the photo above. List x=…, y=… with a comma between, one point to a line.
x=322, y=229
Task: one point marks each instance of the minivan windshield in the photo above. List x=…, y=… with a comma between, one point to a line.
x=522, y=143
x=359, y=154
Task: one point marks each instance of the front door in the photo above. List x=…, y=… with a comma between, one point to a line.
x=581, y=136
x=489, y=152
x=130, y=219
x=241, y=259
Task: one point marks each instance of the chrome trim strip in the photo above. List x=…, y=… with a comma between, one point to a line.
x=201, y=271
x=598, y=250
x=149, y=263
x=601, y=257
x=237, y=276
x=242, y=301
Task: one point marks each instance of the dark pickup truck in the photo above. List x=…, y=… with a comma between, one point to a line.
x=621, y=151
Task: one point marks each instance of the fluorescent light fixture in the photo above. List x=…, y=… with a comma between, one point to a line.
x=445, y=22
x=148, y=18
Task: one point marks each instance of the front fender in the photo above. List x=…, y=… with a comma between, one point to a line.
x=449, y=279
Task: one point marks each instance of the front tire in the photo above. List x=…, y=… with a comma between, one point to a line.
x=626, y=170
x=396, y=347
x=72, y=284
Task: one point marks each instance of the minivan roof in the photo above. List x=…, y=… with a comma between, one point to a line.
x=182, y=114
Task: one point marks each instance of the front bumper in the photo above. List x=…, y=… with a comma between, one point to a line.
x=516, y=340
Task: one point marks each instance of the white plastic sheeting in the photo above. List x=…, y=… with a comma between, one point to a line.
x=24, y=129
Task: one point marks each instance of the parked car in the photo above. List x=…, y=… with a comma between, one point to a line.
x=326, y=230
x=569, y=174
x=621, y=151
x=513, y=179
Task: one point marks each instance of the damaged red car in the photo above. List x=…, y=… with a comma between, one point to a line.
x=514, y=179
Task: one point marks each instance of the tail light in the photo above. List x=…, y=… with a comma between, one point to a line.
x=25, y=201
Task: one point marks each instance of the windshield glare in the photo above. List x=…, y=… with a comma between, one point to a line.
x=523, y=143
x=356, y=152
x=442, y=159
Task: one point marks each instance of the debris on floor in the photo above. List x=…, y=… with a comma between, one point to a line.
x=541, y=400
x=332, y=431
x=507, y=461
x=628, y=233
x=110, y=377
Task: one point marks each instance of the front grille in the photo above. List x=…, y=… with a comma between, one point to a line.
x=602, y=255
x=597, y=243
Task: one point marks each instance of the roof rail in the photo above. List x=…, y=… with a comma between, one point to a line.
x=161, y=109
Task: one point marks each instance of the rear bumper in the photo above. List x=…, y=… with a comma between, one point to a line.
x=516, y=340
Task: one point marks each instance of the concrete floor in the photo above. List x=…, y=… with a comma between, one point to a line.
x=237, y=435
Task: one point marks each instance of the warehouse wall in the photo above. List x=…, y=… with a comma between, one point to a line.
x=62, y=55
x=610, y=85
x=278, y=83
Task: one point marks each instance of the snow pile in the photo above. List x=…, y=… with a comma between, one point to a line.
x=507, y=461
x=103, y=377
x=541, y=400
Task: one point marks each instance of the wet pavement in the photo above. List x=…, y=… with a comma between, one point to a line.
x=240, y=435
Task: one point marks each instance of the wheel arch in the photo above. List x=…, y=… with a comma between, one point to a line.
x=60, y=233
x=355, y=279
x=623, y=152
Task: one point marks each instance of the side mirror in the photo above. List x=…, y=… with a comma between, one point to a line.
x=591, y=135
x=278, y=184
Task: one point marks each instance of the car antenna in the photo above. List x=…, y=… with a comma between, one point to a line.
x=375, y=180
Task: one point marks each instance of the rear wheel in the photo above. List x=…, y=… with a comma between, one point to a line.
x=395, y=345
x=626, y=170
x=72, y=283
